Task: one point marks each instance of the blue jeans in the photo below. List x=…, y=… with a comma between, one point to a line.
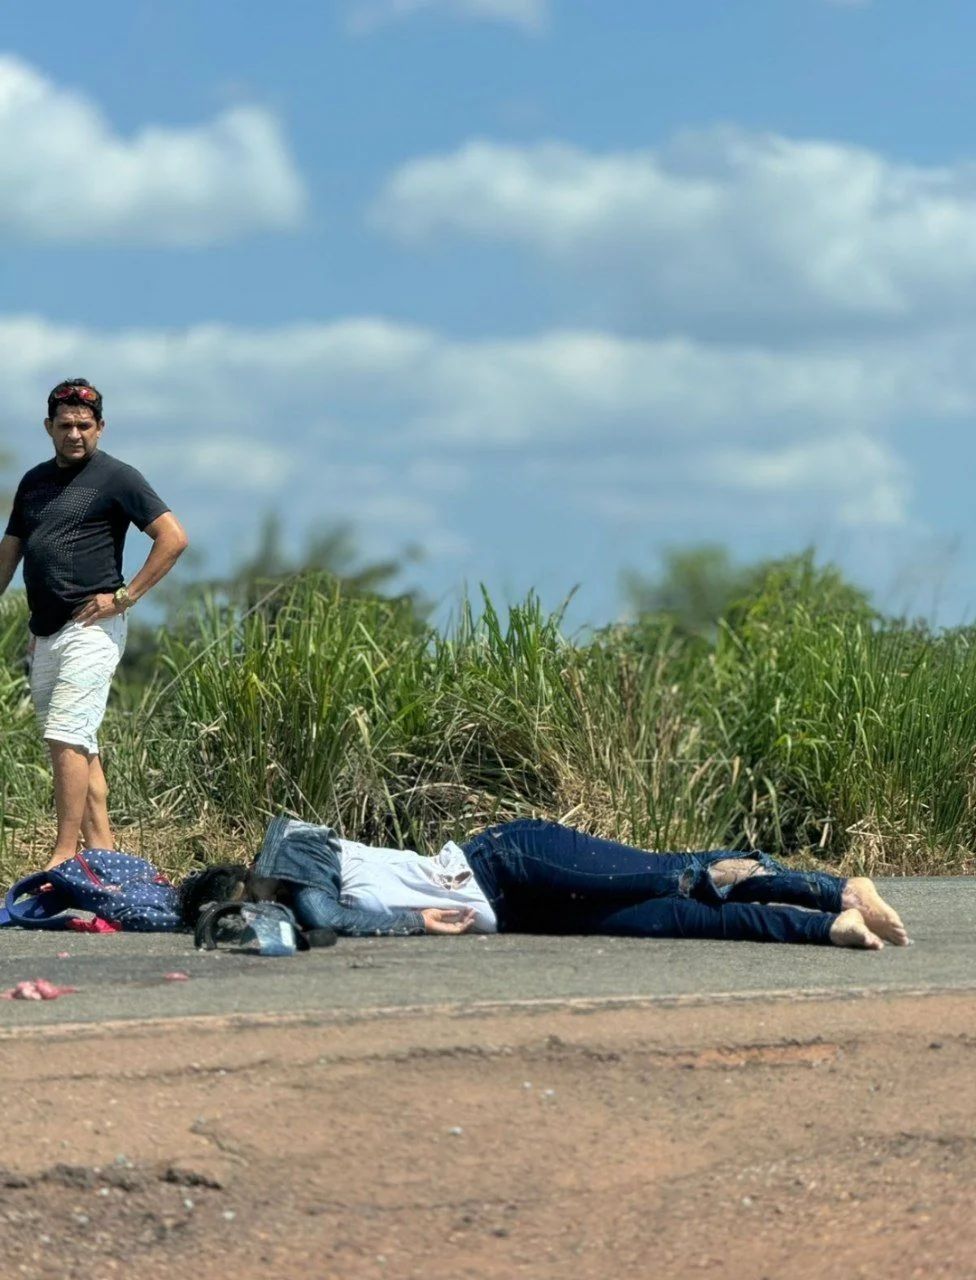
x=541, y=877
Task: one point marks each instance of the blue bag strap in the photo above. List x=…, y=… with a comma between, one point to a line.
x=28, y=907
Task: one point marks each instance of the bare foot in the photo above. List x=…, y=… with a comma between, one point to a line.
x=861, y=894
x=57, y=859
x=849, y=930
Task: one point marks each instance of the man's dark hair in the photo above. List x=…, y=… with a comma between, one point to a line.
x=218, y=883
x=75, y=391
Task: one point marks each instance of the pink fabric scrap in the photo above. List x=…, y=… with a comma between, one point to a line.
x=176, y=976
x=98, y=925
x=38, y=989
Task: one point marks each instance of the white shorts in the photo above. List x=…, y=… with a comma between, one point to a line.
x=70, y=676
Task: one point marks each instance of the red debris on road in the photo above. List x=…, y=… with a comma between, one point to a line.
x=37, y=989
x=98, y=925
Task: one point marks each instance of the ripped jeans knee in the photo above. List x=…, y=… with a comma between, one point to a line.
x=769, y=882
x=698, y=880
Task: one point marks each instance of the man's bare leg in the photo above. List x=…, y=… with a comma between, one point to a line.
x=861, y=894
x=71, y=774
x=96, y=830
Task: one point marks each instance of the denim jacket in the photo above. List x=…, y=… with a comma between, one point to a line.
x=304, y=854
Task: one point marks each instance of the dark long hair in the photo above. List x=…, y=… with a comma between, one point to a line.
x=218, y=883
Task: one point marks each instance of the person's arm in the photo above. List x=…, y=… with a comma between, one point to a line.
x=169, y=541
x=11, y=550
x=320, y=908
x=448, y=920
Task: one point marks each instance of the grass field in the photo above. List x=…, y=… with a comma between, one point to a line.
x=799, y=727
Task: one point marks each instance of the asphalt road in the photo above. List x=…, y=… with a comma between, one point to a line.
x=122, y=976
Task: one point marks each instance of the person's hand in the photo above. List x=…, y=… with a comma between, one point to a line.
x=96, y=608
x=441, y=920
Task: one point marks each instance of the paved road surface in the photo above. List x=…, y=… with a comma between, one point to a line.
x=121, y=976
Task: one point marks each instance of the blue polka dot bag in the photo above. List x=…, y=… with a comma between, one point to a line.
x=118, y=887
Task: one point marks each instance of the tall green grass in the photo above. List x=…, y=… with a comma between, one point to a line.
x=800, y=728
x=24, y=783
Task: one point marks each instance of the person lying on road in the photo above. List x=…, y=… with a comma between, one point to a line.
x=533, y=876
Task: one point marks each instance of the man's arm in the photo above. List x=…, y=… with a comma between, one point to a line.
x=169, y=541
x=11, y=549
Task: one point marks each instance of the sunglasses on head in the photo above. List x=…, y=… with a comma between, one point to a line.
x=80, y=393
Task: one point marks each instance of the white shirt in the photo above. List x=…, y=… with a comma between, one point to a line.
x=399, y=880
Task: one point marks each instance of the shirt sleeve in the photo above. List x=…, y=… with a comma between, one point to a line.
x=138, y=499
x=320, y=908
x=15, y=524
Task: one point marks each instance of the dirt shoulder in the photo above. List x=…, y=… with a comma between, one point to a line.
x=754, y=1139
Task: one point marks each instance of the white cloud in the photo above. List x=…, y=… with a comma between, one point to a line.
x=717, y=227
x=849, y=480
x=366, y=418
x=861, y=477
x=559, y=386
x=69, y=178
x=530, y=15
x=225, y=463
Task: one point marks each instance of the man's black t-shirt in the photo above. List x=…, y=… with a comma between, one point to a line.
x=72, y=522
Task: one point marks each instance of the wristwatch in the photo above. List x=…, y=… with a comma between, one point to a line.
x=122, y=598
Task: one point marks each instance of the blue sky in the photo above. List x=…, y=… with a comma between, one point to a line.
x=541, y=286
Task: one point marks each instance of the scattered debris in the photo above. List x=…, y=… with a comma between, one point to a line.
x=98, y=925
x=36, y=989
x=190, y=1178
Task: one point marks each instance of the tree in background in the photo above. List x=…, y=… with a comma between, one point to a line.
x=331, y=551
x=700, y=587
x=694, y=590
x=252, y=582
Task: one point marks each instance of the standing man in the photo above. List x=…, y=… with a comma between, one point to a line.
x=69, y=522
